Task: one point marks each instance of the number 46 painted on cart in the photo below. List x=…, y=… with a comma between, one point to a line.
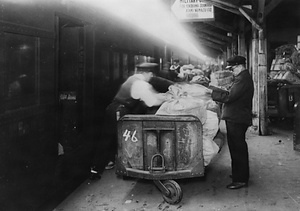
x=127, y=135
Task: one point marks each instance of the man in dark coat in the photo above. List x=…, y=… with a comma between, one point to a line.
x=237, y=113
x=135, y=96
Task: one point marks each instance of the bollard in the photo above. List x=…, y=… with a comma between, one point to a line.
x=296, y=135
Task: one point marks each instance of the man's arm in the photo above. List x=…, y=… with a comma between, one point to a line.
x=145, y=92
x=236, y=91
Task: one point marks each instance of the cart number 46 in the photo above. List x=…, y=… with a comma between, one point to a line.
x=130, y=135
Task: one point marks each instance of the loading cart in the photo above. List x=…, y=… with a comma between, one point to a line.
x=162, y=149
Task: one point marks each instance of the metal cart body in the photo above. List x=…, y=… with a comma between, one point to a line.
x=282, y=97
x=157, y=147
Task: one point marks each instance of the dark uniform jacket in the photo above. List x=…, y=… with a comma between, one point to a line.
x=237, y=101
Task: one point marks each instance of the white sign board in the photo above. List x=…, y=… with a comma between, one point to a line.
x=193, y=10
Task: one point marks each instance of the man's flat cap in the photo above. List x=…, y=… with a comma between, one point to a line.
x=146, y=66
x=236, y=60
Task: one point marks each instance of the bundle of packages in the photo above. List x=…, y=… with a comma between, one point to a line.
x=296, y=60
x=197, y=72
x=200, y=79
x=188, y=67
x=210, y=130
x=285, y=51
x=183, y=103
x=283, y=54
x=288, y=72
x=192, y=99
x=288, y=76
x=222, y=79
x=186, y=72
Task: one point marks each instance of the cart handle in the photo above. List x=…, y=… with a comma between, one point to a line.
x=153, y=169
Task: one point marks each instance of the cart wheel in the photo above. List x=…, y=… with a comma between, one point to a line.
x=175, y=192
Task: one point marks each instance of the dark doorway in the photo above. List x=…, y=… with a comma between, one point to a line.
x=70, y=81
x=72, y=164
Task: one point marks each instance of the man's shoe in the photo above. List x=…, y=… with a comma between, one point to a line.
x=94, y=174
x=237, y=185
x=110, y=165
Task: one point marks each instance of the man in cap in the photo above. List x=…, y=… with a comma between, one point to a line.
x=174, y=70
x=136, y=91
x=135, y=95
x=237, y=113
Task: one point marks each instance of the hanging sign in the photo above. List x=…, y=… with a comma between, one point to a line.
x=193, y=10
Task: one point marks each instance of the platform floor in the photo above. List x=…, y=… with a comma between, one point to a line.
x=274, y=183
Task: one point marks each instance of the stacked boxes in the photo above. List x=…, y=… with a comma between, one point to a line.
x=222, y=79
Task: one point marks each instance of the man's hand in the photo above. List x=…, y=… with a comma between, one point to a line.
x=208, y=91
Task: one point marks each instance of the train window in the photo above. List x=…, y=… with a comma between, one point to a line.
x=125, y=72
x=160, y=64
x=104, y=65
x=138, y=59
x=20, y=67
x=116, y=66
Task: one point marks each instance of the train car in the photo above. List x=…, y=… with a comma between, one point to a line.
x=61, y=64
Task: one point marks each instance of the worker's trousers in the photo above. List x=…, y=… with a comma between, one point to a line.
x=238, y=148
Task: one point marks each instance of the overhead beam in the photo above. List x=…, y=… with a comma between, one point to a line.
x=269, y=7
x=206, y=47
x=224, y=2
x=233, y=8
x=212, y=39
x=261, y=21
x=261, y=11
x=224, y=6
x=217, y=35
x=250, y=19
x=220, y=26
x=236, y=9
x=210, y=44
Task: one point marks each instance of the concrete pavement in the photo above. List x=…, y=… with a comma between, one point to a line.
x=274, y=183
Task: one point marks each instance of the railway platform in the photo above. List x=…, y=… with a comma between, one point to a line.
x=274, y=182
